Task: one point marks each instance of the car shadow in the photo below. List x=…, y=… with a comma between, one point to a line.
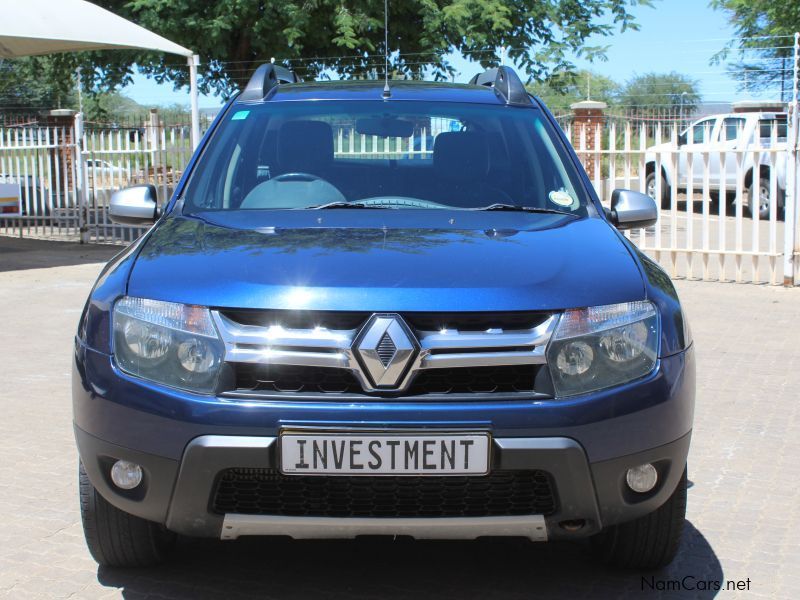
x=18, y=254
x=403, y=568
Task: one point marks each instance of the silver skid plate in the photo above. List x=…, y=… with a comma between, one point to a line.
x=449, y=528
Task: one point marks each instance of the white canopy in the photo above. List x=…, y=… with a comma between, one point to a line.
x=30, y=27
x=33, y=27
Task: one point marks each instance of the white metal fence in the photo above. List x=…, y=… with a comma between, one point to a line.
x=113, y=159
x=39, y=161
x=64, y=188
x=350, y=144
x=706, y=229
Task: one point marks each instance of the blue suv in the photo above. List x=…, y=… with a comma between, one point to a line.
x=370, y=311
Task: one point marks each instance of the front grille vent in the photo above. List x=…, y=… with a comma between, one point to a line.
x=290, y=378
x=268, y=492
x=481, y=380
x=278, y=379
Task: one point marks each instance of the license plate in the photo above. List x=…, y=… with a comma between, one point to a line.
x=384, y=454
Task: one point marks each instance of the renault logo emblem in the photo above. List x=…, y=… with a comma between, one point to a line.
x=385, y=348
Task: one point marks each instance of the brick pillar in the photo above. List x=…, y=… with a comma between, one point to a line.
x=587, y=116
x=60, y=158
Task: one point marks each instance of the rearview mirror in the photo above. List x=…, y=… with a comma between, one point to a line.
x=136, y=205
x=385, y=127
x=630, y=209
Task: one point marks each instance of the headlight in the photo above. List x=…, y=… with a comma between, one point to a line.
x=173, y=344
x=603, y=346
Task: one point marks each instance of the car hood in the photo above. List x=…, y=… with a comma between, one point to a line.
x=384, y=260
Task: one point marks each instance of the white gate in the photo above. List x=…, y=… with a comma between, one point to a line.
x=710, y=226
x=52, y=187
x=38, y=170
x=113, y=159
x=706, y=229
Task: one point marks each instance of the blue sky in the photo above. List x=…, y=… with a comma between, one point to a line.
x=675, y=35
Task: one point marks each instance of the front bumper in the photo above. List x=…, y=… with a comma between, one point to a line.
x=178, y=493
x=184, y=441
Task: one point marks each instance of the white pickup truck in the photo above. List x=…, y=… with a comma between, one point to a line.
x=745, y=139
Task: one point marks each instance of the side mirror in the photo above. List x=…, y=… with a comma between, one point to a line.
x=136, y=205
x=630, y=210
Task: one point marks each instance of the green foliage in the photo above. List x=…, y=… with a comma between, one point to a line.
x=35, y=83
x=44, y=82
x=649, y=93
x=233, y=36
x=29, y=85
x=116, y=108
x=563, y=89
x=666, y=92
x=765, y=62
x=110, y=108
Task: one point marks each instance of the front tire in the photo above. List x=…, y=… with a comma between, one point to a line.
x=651, y=190
x=116, y=538
x=649, y=542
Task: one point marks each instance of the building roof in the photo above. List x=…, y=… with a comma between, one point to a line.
x=589, y=105
x=759, y=106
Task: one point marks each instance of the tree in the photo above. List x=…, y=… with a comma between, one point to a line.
x=233, y=37
x=655, y=92
x=111, y=107
x=765, y=30
x=44, y=82
x=31, y=84
x=561, y=90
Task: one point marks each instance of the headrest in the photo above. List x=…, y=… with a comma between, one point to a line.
x=304, y=146
x=461, y=155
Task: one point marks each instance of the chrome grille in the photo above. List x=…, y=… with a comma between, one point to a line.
x=302, y=358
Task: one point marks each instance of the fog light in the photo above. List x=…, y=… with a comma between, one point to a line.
x=572, y=525
x=126, y=475
x=642, y=478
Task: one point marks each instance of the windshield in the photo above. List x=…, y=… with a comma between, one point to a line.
x=396, y=155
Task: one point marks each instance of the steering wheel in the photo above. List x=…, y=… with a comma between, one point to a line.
x=298, y=176
x=292, y=190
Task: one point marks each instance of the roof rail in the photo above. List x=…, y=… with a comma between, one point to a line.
x=266, y=77
x=506, y=83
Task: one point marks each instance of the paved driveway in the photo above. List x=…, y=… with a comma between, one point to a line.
x=744, y=505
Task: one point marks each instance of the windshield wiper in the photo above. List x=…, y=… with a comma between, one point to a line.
x=529, y=209
x=339, y=204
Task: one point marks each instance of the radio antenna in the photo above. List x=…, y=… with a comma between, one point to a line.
x=387, y=93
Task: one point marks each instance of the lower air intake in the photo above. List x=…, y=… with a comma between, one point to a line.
x=268, y=492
